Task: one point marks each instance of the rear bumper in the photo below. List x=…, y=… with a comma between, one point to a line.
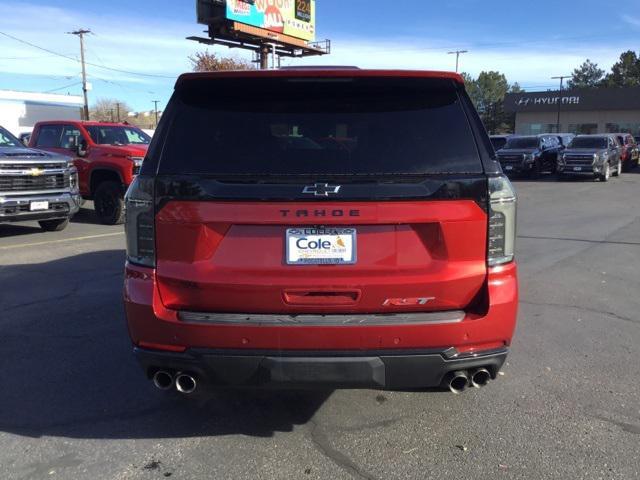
x=379, y=355
x=272, y=369
x=15, y=208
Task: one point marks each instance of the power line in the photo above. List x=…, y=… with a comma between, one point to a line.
x=62, y=88
x=57, y=54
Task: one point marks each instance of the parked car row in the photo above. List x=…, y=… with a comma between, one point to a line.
x=68, y=162
x=598, y=156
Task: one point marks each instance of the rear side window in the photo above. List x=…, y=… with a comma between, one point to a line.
x=370, y=126
x=49, y=136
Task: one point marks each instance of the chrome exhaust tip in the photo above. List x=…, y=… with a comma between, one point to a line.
x=163, y=380
x=480, y=378
x=458, y=382
x=186, y=383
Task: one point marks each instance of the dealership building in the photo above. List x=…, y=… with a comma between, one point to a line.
x=585, y=111
x=19, y=111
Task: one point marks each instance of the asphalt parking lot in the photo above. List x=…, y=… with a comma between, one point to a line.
x=75, y=405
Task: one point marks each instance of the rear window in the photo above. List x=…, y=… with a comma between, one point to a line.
x=261, y=127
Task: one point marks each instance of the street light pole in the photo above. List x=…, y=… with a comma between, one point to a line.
x=561, y=78
x=457, y=53
x=81, y=33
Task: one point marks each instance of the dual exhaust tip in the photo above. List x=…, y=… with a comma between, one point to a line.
x=186, y=383
x=183, y=382
x=460, y=380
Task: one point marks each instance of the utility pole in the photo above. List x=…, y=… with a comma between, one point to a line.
x=81, y=33
x=155, y=103
x=457, y=53
x=118, y=111
x=561, y=78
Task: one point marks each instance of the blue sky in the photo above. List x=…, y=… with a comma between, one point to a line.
x=528, y=43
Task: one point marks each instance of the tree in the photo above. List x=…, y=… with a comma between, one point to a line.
x=587, y=75
x=516, y=88
x=210, y=62
x=626, y=72
x=107, y=109
x=487, y=93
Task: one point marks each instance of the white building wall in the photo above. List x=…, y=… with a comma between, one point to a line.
x=20, y=111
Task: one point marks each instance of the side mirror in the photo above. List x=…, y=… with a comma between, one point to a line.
x=81, y=148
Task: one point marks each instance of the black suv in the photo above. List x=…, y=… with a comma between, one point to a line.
x=531, y=155
x=598, y=156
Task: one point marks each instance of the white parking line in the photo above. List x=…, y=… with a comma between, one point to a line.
x=75, y=239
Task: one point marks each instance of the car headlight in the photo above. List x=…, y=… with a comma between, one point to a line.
x=529, y=157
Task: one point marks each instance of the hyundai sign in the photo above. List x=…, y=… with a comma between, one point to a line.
x=576, y=100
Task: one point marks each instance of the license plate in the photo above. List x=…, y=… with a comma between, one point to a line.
x=577, y=169
x=321, y=246
x=508, y=167
x=36, y=206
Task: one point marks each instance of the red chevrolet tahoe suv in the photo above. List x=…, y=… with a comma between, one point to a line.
x=107, y=156
x=333, y=228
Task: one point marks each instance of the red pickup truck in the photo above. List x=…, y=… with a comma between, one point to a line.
x=107, y=155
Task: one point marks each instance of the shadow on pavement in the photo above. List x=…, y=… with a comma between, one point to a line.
x=67, y=367
x=86, y=216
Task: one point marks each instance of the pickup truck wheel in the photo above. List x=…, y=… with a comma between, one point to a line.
x=619, y=169
x=606, y=174
x=54, y=225
x=109, y=203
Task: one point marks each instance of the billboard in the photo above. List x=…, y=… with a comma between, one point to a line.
x=296, y=18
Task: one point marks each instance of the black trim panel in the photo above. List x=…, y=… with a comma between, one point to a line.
x=196, y=188
x=393, y=370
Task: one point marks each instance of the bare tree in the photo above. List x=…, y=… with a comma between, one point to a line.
x=210, y=62
x=109, y=109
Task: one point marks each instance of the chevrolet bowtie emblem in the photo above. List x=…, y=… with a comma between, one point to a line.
x=322, y=189
x=36, y=172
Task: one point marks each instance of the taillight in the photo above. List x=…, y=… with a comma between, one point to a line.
x=139, y=223
x=502, y=221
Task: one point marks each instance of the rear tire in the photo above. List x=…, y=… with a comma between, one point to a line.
x=54, y=225
x=108, y=202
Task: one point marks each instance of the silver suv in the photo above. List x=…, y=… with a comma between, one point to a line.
x=36, y=185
